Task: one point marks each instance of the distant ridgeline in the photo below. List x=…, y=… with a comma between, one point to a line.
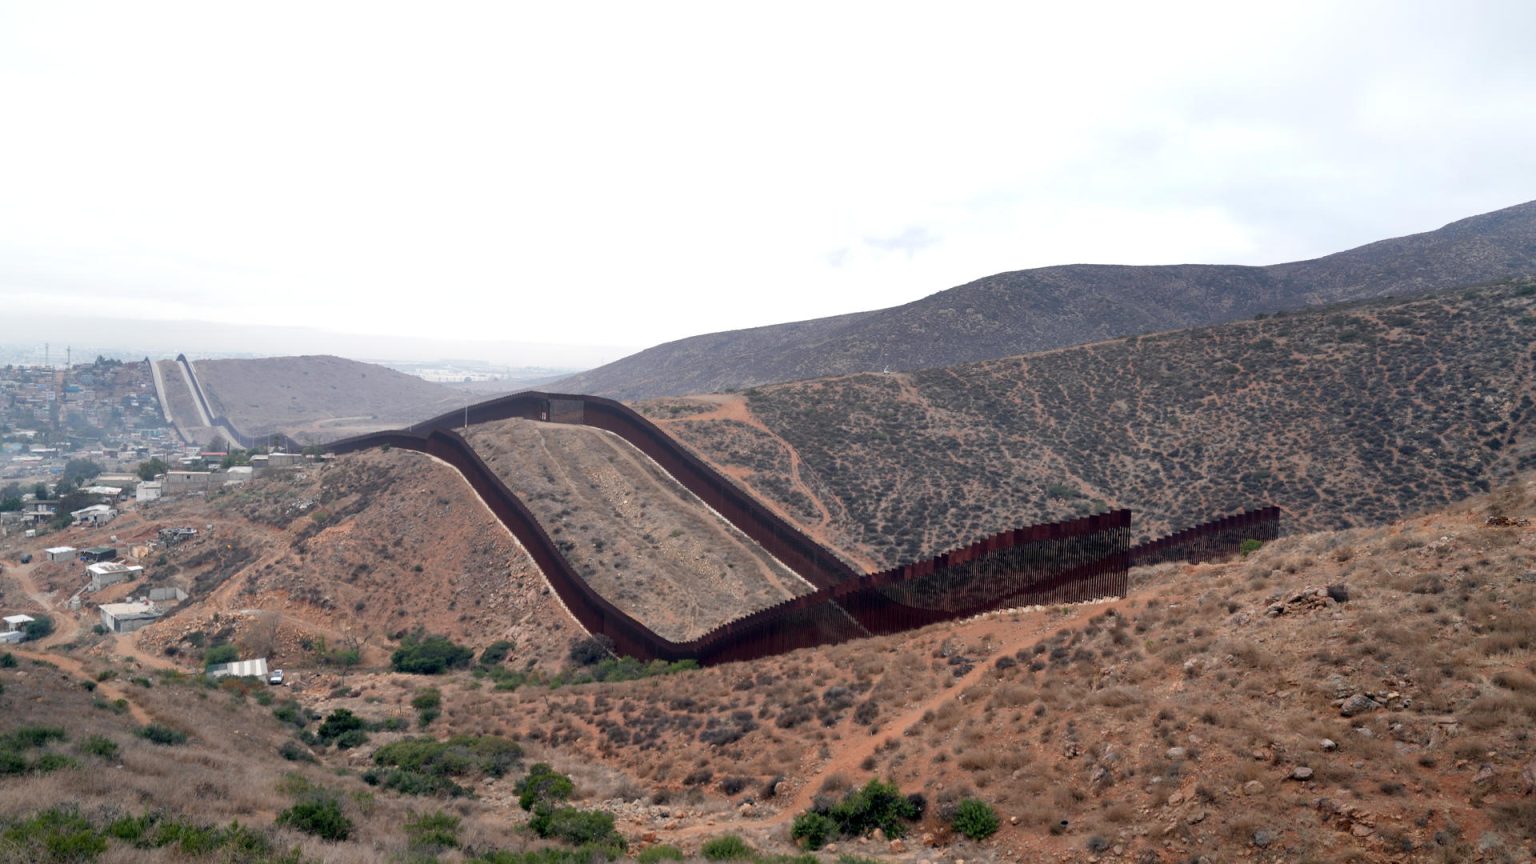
x=1065, y=562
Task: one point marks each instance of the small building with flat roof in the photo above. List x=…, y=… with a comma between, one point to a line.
x=15, y=629
x=61, y=553
x=106, y=573
x=98, y=553
x=128, y=617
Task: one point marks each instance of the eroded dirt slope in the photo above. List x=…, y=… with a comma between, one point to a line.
x=638, y=537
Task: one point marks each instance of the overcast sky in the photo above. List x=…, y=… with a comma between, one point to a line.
x=625, y=174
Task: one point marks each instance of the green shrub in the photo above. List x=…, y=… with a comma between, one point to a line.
x=344, y=728
x=7, y=660
x=225, y=653
x=814, y=829
x=27, y=737
x=588, y=650
x=421, y=654
x=293, y=751
x=38, y=628
x=496, y=652
x=100, y=747
x=543, y=786
x=438, y=830
x=52, y=762
x=57, y=834
x=163, y=735
x=577, y=827
x=876, y=805
x=663, y=852
x=318, y=814
x=728, y=848
x=428, y=703
x=423, y=766
x=975, y=819
x=427, y=698
x=1250, y=546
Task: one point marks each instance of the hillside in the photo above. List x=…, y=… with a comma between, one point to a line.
x=1340, y=696
x=633, y=532
x=1342, y=416
x=318, y=398
x=1052, y=307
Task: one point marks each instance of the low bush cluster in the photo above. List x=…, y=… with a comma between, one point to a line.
x=425, y=766
x=875, y=805
x=423, y=654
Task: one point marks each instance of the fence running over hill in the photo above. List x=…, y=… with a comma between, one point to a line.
x=226, y=426
x=1066, y=562
x=1221, y=538
x=1076, y=561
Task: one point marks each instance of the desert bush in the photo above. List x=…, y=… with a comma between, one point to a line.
x=319, y=814
x=590, y=650
x=343, y=728
x=99, y=746
x=424, y=766
x=38, y=628
x=438, y=830
x=225, y=653
x=975, y=819
x=428, y=703
x=729, y=847
x=423, y=654
x=293, y=751
x=56, y=834
x=577, y=827
x=163, y=735
x=663, y=852
x=875, y=805
x=496, y=652
x=543, y=786
x=813, y=829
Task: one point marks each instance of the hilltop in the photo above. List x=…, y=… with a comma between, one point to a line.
x=1344, y=416
x=318, y=398
x=1029, y=311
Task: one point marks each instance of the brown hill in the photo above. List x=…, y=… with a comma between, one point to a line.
x=1349, y=696
x=1343, y=416
x=318, y=398
x=1035, y=310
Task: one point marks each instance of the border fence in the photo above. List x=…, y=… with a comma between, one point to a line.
x=1065, y=562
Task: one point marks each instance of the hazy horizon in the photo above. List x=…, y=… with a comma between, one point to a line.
x=618, y=176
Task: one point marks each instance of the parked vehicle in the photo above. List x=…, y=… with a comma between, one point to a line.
x=276, y=678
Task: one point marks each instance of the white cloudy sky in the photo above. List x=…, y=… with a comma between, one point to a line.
x=628, y=173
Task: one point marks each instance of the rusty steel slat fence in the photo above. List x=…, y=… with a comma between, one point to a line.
x=1066, y=562
x=1212, y=541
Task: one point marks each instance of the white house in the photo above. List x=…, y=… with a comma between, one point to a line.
x=96, y=514
x=15, y=628
x=61, y=553
x=110, y=573
x=147, y=491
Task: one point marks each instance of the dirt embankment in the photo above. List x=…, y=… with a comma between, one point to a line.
x=638, y=537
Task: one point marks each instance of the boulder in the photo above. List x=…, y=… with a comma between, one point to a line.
x=1358, y=704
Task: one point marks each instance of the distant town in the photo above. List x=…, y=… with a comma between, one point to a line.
x=78, y=442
